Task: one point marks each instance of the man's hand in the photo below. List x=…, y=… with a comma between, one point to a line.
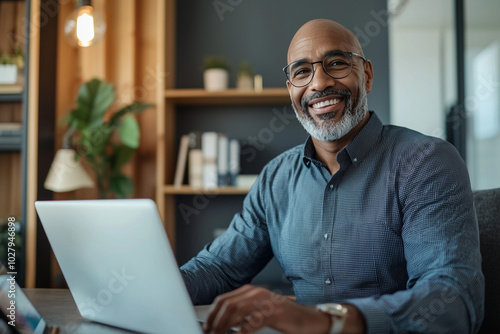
x=252, y=308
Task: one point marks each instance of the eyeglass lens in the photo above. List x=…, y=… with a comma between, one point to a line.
x=337, y=65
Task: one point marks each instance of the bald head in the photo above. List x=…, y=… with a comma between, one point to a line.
x=307, y=36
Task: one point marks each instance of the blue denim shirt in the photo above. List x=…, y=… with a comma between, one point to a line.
x=393, y=232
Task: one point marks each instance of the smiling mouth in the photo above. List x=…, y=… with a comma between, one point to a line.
x=326, y=103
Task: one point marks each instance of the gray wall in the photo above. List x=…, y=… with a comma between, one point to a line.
x=259, y=32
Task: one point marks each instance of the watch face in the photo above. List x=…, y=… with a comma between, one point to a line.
x=333, y=309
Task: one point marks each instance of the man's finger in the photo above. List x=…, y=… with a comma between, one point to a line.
x=219, y=307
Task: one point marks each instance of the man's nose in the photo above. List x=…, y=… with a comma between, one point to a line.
x=321, y=80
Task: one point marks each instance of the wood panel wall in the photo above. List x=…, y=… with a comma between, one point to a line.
x=127, y=58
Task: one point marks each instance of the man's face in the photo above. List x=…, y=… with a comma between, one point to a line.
x=329, y=108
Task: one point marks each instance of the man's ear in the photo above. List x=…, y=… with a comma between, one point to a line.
x=289, y=86
x=368, y=75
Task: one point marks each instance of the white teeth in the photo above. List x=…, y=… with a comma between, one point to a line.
x=326, y=103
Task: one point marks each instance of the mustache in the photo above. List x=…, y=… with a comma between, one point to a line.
x=342, y=92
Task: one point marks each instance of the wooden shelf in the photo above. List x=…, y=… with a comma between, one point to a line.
x=11, y=93
x=228, y=96
x=187, y=190
x=11, y=89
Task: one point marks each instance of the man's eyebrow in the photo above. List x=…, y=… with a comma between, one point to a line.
x=304, y=60
x=333, y=51
x=299, y=61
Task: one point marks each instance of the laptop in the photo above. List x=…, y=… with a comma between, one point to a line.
x=118, y=264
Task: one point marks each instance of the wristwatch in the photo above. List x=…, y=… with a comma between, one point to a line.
x=338, y=313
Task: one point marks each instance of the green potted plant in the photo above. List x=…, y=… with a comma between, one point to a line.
x=10, y=64
x=245, y=76
x=105, y=140
x=215, y=73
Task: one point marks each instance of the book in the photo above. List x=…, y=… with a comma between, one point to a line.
x=209, y=141
x=212, y=158
x=181, y=160
x=234, y=161
x=195, y=161
x=223, y=160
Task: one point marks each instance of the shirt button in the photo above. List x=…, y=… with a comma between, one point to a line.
x=355, y=159
x=331, y=186
x=326, y=236
x=328, y=281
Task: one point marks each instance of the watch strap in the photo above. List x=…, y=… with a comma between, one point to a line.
x=338, y=314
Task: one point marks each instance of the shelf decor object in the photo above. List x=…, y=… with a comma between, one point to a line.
x=215, y=74
x=105, y=140
x=84, y=26
x=245, y=76
x=8, y=74
x=10, y=65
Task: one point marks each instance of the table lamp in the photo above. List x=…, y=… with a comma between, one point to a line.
x=66, y=173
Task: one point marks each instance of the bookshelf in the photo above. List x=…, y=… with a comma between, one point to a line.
x=170, y=103
x=18, y=119
x=166, y=158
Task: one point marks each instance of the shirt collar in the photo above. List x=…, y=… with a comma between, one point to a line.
x=358, y=149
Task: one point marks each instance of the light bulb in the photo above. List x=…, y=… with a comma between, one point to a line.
x=84, y=26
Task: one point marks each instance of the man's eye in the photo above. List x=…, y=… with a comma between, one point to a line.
x=337, y=62
x=300, y=72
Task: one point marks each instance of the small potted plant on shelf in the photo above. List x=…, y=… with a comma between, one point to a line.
x=245, y=76
x=215, y=73
x=10, y=64
x=105, y=139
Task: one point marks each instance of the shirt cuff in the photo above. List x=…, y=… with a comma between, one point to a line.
x=377, y=321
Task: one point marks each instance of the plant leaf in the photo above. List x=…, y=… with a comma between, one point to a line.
x=95, y=140
x=135, y=108
x=121, y=157
x=129, y=132
x=121, y=185
x=94, y=98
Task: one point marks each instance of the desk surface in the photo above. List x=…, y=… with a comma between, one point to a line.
x=58, y=308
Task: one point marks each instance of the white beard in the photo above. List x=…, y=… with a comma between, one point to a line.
x=329, y=129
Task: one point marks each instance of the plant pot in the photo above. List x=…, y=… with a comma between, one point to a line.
x=215, y=79
x=8, y=74
x=244, y=82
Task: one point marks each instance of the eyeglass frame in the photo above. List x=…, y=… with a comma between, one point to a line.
x=323, y=66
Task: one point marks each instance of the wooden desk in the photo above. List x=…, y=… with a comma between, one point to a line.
x=58, y=308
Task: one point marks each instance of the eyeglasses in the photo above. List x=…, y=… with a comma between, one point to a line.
x=337, y=64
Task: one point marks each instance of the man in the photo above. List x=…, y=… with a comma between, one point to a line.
x=378, y=219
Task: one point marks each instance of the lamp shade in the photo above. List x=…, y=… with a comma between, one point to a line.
x=66, y=174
